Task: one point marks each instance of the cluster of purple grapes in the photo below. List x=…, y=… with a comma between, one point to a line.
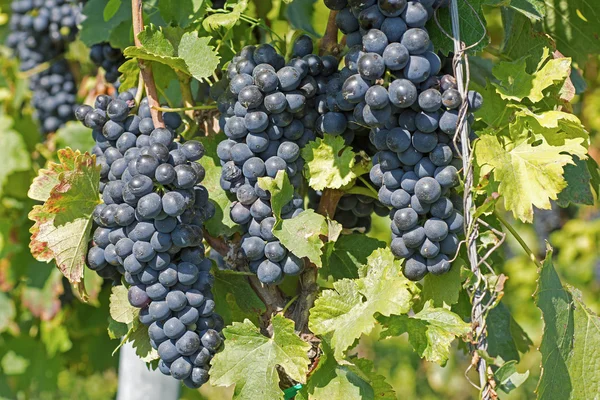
x=40, y=31
x=110, y=59
x=268, y=114
x=149, y=228
x=393, y=86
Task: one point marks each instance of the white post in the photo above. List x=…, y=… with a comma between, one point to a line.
x=138, y=382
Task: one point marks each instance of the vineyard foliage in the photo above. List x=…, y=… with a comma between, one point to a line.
x=344, y=322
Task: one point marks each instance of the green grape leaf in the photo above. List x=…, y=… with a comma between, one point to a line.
x=185, y=53
x=225, y=20
x=570, y=340
x=116, y=330
x=63, y=223
x=200, y=57
x=94, y=28
x=234, y=298
x=431, y=331
x=528, y=175
x=348, y=254
x=281, y=191
x=348, y=311
x=494, y=111
x=301, y=235
x=120, y=309
x=55, y=336
x=521, y=39
x=575, y=26
x=578, y=190
x=130, y=74
x=594, y=171
x=183, y=12
x=14, y=364
x=443, y=290
x=76, y=136
x=506, y=338
x=7, y=312
x=300, y=13
x=249, y=359
x=141, y=343
x=516, y=84
x=13, y=152
x=472, y=26
x=221, y=224
x=329, y=163
x=111, y=9
x=533, y=9
x=42, y=298
x=508, y=378
x=345, y=380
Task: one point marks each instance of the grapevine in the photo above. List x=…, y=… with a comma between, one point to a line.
x=299, y=200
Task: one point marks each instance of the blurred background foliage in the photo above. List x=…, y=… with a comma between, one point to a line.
x=53, y=346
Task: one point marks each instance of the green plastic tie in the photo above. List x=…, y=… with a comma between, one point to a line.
x=290, y=392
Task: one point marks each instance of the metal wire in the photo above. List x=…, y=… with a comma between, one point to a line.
x=483, y=298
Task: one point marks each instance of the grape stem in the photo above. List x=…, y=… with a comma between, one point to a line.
x=180, y=109
x=188, y=100
x=146, y=68
x=519, y=239
x=329, y=41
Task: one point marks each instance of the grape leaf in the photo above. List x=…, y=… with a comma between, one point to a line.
x=76, y=136
x=116, y=330
x=281, y=191
x=508, y=378
x=249, y=359
x=225, y=20
x=120, y=309
x=570, y=341
x=516, y=84
x=348, y=253
x=111, y=9
x=55, y=336
x=182, y=12
x=94, y=28
x=431, y=331
x=13, y=152
x=234, y=298
x=221, y=224
x=575, y=25
x=521, y=39
x=528, y=175
x=348, y=311
x=141, y=343
x=506, y=338
x=443, y=290
x=187, y=54
x=578, y=190
x=302, y=235
x=533, y=9
x=300, y=14
x=7, y=311
x=42, y=299
x=63, y=224
x=345, y=380
x=494, y=111
x=329, y=163
x=48, y=178
x=130, y=73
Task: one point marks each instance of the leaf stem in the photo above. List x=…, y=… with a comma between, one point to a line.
x=368, y=185
x=519, y=239
x=289, y=303
x=146, y=68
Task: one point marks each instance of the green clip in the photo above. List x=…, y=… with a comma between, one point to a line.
x=290, y=392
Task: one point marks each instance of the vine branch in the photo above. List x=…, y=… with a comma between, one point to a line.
x=146, y=68
x=329, y=41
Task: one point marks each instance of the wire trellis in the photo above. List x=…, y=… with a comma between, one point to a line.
x=483, y=298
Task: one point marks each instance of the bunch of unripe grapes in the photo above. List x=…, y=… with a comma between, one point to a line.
x=40, y=31
x=268, y=115
x=391, y=84
x=149, y=228
x=110, y=59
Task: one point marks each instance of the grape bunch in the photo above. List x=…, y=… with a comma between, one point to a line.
x=392, y=85
x=110, y=59
x=40, y=31
x=149, y=228
x=268, y=114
